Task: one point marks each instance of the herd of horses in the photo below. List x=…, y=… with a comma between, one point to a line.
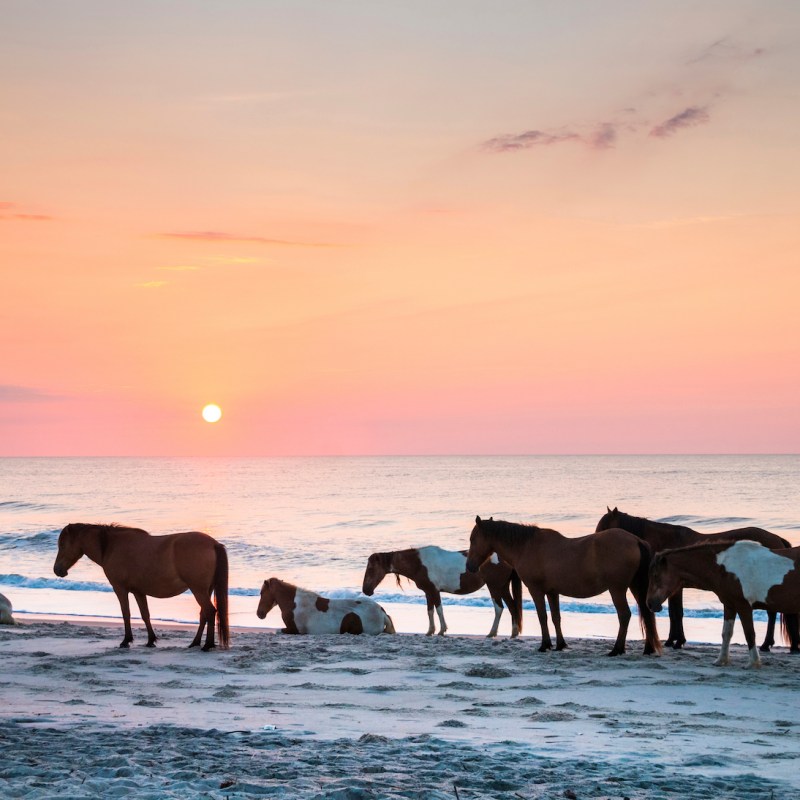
x=746, y=568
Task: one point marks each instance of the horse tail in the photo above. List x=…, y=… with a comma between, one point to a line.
x=516, y=596
x=389, y=626
x=790, y=630
x=220, y=588
x=641, y=581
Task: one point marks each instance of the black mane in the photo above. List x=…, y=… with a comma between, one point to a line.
x=510, y=533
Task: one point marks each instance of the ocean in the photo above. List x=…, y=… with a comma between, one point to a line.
x=315, y=521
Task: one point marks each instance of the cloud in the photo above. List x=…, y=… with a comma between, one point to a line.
x=604, y=136
x=688, y=118
x=727, y=49
x=511, y=142
x=151, y=284
x=10, y=393
x=220, y=236
x=8, y=211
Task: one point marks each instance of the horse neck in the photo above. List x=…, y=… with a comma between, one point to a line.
x=660, y=535
x=511, y=551
x=94, y=542
x=698, y=563
x=284, y=594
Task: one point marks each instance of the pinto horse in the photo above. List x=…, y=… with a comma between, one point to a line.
x=665, y=536
x=743, y=574
x=551, y=564
x=307, y=612
x=435, y=570
x=160, y=566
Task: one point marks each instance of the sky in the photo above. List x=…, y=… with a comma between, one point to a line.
x=399, y=228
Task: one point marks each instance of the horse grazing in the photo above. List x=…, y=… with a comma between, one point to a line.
x=550, y=565
x=744, y=575
x=5, y=611
x=435, y=570
x=160, y=566
x=665, y=536
x=307, y=612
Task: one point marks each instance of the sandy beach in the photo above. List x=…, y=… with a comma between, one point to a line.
x=403, y=716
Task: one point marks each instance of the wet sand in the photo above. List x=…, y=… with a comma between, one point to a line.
x=404, y=716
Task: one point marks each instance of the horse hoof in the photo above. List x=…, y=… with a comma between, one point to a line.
x=150, y=644
x=764, y=648
x=207, y=647
x=677, y=645
x=125, y=644
x=794, y=651
x=194, y=644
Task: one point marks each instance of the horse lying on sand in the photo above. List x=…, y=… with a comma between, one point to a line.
x=744, y=575
x=307, y=612
x=665, y=536
x=5, y=611
x=550, y=565
x=435, y=570
x=159, y=566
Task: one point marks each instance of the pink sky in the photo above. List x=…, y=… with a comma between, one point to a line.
x=459, y=227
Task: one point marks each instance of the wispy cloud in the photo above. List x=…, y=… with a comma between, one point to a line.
x=180, y=268
x=220, y=236
x=727, y=49
x=151, y=285
x=9, y=393
x=511, y=142
x=688, y=118
x=11, y=211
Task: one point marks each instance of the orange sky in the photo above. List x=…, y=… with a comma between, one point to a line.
x=459, y=227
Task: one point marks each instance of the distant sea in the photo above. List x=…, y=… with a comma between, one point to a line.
x=315, y=521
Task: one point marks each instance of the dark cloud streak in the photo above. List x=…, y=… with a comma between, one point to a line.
x=688, y=118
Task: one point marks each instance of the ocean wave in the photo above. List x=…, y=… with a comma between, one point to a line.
x=691, y=520
x=42, y=540
x=358, y=523
x=22, y=505
x=23, y=582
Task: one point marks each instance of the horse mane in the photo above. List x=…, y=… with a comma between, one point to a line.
x=385, y=562
x=510, y=533
x=637, y=524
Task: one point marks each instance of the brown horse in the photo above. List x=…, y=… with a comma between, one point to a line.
x=550, y=565
x=665, y=536
x=307, y=612
x=435, y=570
x=160, y=566
x=743, y=574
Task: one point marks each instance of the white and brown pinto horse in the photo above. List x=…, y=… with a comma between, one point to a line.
x=435, y=570
x=551, y=564
x=744, y=575
x=307, y=612
x=6, y=617
x=666, y=536
x=159, y=566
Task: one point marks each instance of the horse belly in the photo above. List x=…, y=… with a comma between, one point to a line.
x=444, y=568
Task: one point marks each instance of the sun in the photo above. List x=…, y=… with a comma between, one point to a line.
x=212, y=413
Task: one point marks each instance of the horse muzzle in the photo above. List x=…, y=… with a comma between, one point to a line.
x=368, y=590
x=654, y=606
x=472, y=565
x=60, y=571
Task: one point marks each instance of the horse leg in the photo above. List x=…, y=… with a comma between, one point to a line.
x=676, y=638
x=498, y=612
x=125, y=606
x=727, y=631
x=624, y=617
x=769, y=638
x=207, y=615
x=746, y=616
x=141, y=601
x=555, y=613
x=442, y=623
x=791, y=625
x=541, y=612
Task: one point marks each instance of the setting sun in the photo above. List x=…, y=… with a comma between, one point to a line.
x=212, y=413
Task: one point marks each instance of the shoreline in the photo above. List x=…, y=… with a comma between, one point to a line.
x=402, y=716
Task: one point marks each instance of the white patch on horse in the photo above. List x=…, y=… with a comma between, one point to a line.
x=756, y=567
x=309, y=619
x=445, y=567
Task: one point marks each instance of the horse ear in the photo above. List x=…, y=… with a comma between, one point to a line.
x=477, y=520
x=616, y=510
x=608, y=509
x=491, y=519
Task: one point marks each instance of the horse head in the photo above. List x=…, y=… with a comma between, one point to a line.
x=70, y=549
x=663, y=582
x=269, y=598
x=378, y=565
x=480, y=546
x=609, y=520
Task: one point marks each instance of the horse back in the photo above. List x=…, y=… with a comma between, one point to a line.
x=767, y=538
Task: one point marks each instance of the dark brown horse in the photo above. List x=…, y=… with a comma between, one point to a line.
x=743, y=574
x=435, y=570
x=665, y=536
x=550, y=565
x=160, y=566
